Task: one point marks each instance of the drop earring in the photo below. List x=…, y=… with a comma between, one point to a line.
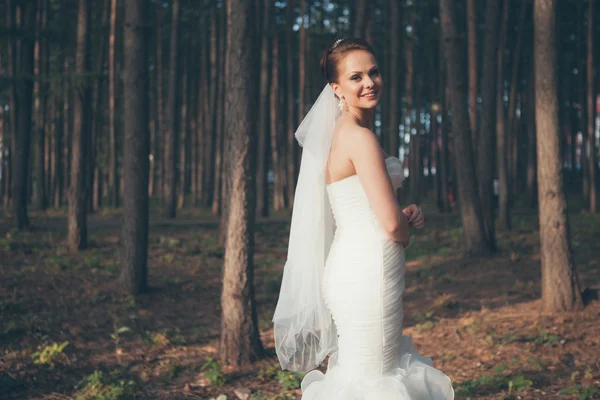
x=341, y=104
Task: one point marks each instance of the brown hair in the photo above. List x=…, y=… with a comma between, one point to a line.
x=336, y=52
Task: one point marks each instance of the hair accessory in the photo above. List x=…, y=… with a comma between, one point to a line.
x=336, y=43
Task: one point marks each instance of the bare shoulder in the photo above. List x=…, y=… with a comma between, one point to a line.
x=362, y=141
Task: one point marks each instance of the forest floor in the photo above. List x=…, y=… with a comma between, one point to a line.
x=67, y=333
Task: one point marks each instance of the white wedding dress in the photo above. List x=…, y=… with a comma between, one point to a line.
x=363, y=287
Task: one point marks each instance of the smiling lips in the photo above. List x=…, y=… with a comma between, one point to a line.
x=370, y=95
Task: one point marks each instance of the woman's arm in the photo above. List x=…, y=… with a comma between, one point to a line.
x=365, y=154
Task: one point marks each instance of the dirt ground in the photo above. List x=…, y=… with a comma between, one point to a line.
x=67, y=333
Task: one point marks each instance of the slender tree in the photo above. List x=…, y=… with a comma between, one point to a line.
x=473, y=70
x=262, y=163
x=134, y=235
x=40, y=105
x=470, y=207
x=171, y=132
x=501, y=148
x=290, y=120
x=393, y=96
x=361, y=18
x=560, y=285
x=591, y=89
x=486, y=149
x=77, y=216
x=113, y=180
x=240, y=341
x=20, y=161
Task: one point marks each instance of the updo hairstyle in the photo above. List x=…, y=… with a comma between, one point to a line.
x=336, y=52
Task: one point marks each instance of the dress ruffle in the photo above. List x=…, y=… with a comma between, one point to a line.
x=413, y=378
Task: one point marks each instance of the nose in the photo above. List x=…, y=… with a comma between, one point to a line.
x=368, y=82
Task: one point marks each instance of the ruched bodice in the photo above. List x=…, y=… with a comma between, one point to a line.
x=363, y=286
x=349, y=202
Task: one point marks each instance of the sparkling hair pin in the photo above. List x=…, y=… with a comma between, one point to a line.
x=336, y=43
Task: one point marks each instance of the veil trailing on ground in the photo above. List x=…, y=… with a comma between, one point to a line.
x=304, y=331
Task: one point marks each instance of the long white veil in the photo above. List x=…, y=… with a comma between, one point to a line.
x=303, y=328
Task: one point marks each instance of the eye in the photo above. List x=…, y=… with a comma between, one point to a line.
x=375, y=72
x=355, y=77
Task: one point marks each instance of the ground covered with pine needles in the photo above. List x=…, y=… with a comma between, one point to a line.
x=67, y=333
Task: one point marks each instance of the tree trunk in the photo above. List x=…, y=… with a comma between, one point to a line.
x=160, y=109
x=59, y=146
x=531, y=129
x=473, y=70
x=394, y=109
x=302, y=63
x=512, y=129
x=43, y=59
x=470, y=207
x=219, y=196
x=20, y=168
x=291, y=122
x=262, y=185
x=560, y=286
x=591, y=87
x=211, y=118
x=278, y=197
x=501, y=140
x=240, y=340
x=486, y=149
x=361, y=18
x=202, y=117
x=77, y=217
x=134, y=235
x=113, y=180
x=13, y=64
x=182, y=113
x=171, y=131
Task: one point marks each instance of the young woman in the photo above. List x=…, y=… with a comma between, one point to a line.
x=341, y=294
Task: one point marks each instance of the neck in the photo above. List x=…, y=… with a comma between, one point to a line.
x=363, y=116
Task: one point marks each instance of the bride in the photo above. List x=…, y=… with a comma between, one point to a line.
x=341, y=294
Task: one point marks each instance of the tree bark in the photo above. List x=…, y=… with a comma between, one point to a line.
x=211, y=118
x=77, y=216
x=394, y=109
x=302, y=62
x=591, y=88
x=182, y=113
x=277, y=167
x=113, y=180
x=512, y=128
x=486, y=150
x=160, y=109
x=291, y=122
x=560, y=286
x=361, y=18
x=134, y=235
x=501, y=139
x=171, y=131
x=43, y=58
x=240, y=341
x=262, y=186
x=473, y=70
x=20, y=167
x=470, y=207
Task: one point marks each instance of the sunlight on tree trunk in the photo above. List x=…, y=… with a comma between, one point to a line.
x=240, y=342
x=560, y=285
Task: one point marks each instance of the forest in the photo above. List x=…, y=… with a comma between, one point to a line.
x=148, y=168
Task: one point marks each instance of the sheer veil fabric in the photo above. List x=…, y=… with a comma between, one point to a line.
x=304, y=331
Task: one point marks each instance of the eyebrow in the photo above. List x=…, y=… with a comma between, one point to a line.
x=360, y=72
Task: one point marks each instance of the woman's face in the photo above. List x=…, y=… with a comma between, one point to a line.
x=359, y=83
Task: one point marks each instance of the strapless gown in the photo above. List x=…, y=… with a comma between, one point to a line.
x=363, y=286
